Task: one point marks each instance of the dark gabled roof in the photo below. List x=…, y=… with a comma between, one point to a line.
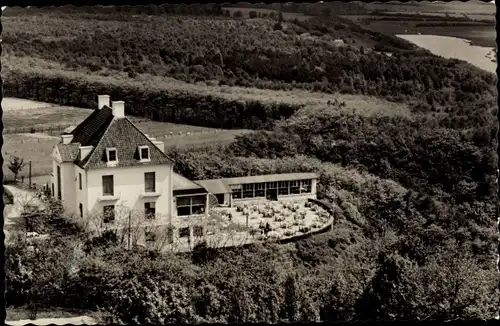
x=102, y=130
x=68, y=152
x=91, y=129
x=122, y=134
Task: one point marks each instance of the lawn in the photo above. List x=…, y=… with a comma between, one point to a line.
x=36, y=148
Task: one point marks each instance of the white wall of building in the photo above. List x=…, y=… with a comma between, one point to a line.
x=81, y=196
x=129, y=186
x=68, y=191
x=313, y=187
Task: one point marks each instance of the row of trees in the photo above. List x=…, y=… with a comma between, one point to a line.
x=120, y=11
x=156, y=104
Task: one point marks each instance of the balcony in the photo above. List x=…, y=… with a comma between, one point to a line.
x=107, y=197
x=150, y=194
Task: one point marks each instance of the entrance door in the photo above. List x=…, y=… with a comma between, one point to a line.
x=220, y=198
x=272, y=194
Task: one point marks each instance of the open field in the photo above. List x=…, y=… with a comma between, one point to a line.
x=24, y=114
x=31, y=148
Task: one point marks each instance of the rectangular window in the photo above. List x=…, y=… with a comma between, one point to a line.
x=294, y=187
x=144, y=152
x=197, y=209
x=260, y=189
x=272, y=185
x=80, y=207
x=149, y=210
x=283, y=191
x=111, y=155
x=109, y=213
x=248, y=190
x=59, y=196
x=183, y=201
x=80, y=180
x=150, y=182
x=305, y=186
x=236, y=191
x=283, y=188
x=191, y=205
x=237, y=194
x=108, y=185
x=198, y=204
x=184, y=211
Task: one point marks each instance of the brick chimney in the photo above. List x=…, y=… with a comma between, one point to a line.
x=66, y=138
x=102, y=100
x=118, y=109
x=159, y=144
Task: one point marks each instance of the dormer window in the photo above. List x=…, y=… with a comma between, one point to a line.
x=111, y=155
x=144, y=153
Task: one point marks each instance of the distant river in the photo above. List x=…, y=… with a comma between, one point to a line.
x=457, y=48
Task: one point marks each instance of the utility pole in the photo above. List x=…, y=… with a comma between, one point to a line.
x=29, y=177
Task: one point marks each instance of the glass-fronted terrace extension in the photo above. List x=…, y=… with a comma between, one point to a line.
x=271, y=187
x=271, y=190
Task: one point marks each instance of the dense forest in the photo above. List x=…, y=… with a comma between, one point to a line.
x=414, y=196
x=225, y=51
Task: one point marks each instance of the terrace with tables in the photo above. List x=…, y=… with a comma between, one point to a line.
x=271, y=220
